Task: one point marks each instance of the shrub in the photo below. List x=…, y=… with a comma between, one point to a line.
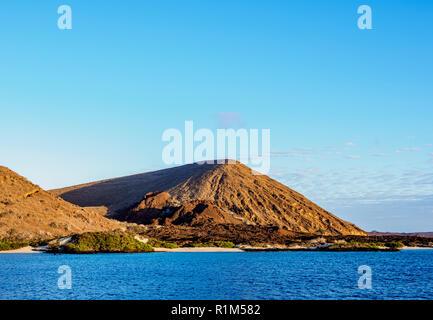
x=54, y=246
x=7, y=202
x=5, y=213
x=358, y=245
x=224, y=244
x=219, y=244
x=394, y=245
x=105, y=242
x=162, y=244
x=40, y=242
x=133, y=228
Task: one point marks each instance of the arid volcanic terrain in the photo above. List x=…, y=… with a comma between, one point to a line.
x=29, y=212
x=210, y=197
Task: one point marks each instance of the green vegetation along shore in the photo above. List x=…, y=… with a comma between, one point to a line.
x=12, y=245
x=210, y=244
x=132, y=242
x=372, y=246
x=101, y=242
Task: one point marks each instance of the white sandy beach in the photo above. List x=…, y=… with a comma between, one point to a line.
x=22, y=250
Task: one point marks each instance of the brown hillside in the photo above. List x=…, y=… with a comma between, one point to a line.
x=29, y=212
x=219, y=193
x=159, y=208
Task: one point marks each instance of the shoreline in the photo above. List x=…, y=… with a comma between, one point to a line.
x=30, y=249
x=27, y=249
x=199, y=249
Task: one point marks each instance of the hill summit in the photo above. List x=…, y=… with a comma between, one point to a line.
x=206, y=194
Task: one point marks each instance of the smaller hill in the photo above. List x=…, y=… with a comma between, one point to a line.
x=158, y=208
x=28, y=212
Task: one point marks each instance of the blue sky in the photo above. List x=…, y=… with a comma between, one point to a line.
x=350, y=110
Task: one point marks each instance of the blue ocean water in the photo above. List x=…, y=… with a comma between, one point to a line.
x=247, y=275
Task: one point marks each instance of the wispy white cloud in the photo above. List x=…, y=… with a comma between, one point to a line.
x=350, y=144
x=385, y=185
x=411, y=149
x=290, y=154
x=347, y=186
